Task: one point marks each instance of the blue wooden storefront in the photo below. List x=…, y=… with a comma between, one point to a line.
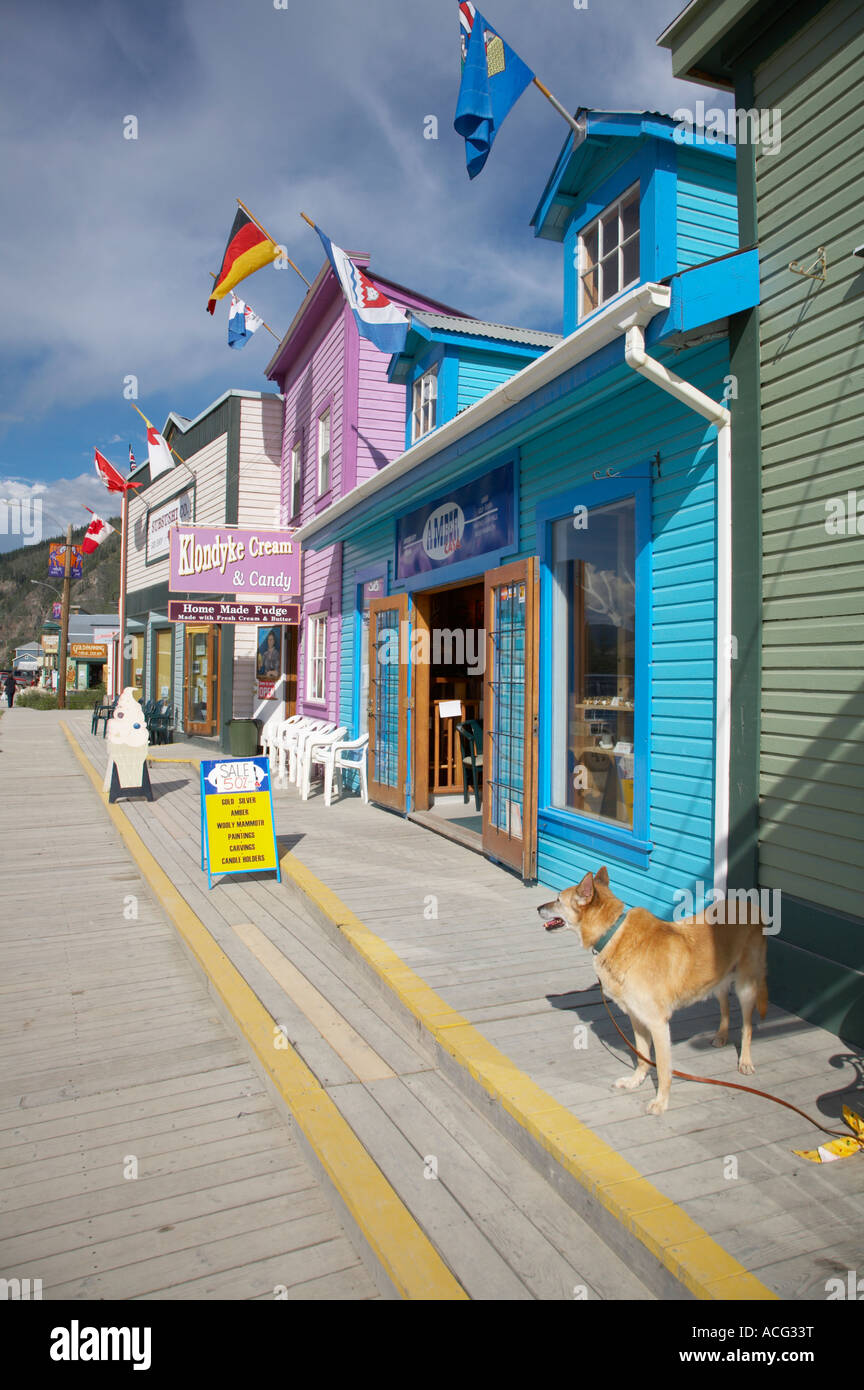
x=594, y=435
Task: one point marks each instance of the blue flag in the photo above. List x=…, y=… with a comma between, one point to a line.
x=242, y=323
x=493, y=80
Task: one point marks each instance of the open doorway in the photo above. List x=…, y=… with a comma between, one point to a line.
x=450, y=699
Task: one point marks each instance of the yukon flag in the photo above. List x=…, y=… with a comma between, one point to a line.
x=159, y=454
x=377, y=318
x=242, y=323
x=96, y=533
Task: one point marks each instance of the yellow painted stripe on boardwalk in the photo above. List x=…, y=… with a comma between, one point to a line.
x=411, y=1262
x=333, y=1027
x=672, y=1236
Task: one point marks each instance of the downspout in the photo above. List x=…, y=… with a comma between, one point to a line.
x=637, y=358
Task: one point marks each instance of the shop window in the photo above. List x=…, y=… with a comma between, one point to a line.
x=609, y=253
x=163, y=639
x=316, y=659
x=425, y=402
x=595, y=671
x=324, y=453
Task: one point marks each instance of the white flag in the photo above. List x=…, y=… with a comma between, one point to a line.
x=161, y=458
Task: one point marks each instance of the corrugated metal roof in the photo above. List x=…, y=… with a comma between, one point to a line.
x=474, y=328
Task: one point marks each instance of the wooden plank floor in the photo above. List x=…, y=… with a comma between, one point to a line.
x=792, y=1223
x=502, y=1229
x=114, y=1063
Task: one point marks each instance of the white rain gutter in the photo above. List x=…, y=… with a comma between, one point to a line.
x=598, y=332
x=637, y=358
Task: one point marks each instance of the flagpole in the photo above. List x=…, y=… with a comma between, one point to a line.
x=562, y=110
x=275, y=243
x=264, y=323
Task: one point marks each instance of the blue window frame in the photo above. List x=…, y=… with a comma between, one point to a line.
x=368, y=583
x=595, y=677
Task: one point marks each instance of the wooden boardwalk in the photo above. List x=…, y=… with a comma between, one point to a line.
x=471, y=931
x=140, y=1156
x=505, y=1233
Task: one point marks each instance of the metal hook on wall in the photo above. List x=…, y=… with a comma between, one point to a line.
x=610, y=473
x=817, y=271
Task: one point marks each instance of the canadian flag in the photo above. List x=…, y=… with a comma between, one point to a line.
x=109, y=475
x=96, y=533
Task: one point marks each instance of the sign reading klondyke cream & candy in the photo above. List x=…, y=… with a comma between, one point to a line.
x=205, y=560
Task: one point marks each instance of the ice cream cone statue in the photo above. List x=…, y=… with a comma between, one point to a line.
x=127, y=739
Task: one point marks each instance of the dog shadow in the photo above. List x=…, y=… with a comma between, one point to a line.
x=697, y=1025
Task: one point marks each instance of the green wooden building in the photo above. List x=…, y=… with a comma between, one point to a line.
x=796, y=69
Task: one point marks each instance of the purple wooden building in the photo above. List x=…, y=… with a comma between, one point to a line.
x=343, y=421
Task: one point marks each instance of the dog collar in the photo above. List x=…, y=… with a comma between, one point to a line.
x=608, y=935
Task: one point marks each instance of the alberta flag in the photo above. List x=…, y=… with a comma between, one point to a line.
x=242, y=323
x=377, y=318
x=493, y=80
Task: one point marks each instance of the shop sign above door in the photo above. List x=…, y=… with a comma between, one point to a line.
x=474, y=518
x=205, y=560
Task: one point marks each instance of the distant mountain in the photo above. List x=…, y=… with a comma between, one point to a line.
x=25, y=606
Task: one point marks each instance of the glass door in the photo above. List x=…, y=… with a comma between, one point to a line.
x=387, y=708
x=202, y=680
x=510, y=717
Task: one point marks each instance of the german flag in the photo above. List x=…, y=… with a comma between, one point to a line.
x=248, y=250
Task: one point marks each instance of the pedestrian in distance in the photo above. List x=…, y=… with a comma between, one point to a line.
x=9, y=687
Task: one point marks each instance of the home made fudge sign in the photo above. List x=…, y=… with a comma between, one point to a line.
x=238, y=832
x=229, y=560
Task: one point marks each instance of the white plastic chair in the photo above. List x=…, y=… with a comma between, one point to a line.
x=318, y=749
x=271, y=732
x=349, y=756
x=286, y=743
x=296, y=743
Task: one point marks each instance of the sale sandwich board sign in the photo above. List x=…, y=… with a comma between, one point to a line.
x=238, y=829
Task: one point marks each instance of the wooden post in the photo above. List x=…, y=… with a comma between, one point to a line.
x=64, y=621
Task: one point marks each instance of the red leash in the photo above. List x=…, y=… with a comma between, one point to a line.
x=731, y=1085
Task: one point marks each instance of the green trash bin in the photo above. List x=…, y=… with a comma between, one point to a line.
x=242, y=738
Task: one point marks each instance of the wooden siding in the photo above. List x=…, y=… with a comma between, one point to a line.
x=681, y=802
x=260, y=462
x=380, y=412
x=809, y=194
x=306, y=395
x=707, y=207
x=208, y=466
x=480, y=373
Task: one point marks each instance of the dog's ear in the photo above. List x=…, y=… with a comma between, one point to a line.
x=602, y=876
x=585, y=890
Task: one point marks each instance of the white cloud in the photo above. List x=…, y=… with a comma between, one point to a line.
x=35, y=511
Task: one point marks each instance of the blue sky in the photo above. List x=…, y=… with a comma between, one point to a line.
x=319, y=107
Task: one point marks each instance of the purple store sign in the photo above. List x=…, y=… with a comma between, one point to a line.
x=227, y=560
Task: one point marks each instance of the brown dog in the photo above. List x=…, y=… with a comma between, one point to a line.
x=651, y=967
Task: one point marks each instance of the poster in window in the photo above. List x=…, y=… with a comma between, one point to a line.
x=268, y=661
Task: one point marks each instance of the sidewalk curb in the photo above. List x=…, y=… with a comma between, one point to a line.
x=399, y=1248
x=665, y=1247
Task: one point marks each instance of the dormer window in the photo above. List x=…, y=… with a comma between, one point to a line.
x=425, y=401
x=609, y=253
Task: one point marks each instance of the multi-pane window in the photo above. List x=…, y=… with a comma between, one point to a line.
x=425, y=401
x=593, y=656
x=324, y=453
x=316, y=658
x=296, y=482
x=609, y=253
